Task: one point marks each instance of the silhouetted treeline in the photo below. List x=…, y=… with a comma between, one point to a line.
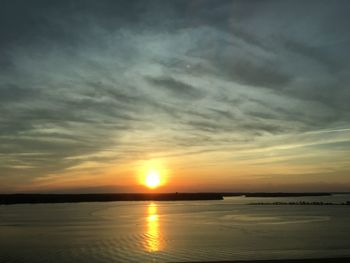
x=75, y=198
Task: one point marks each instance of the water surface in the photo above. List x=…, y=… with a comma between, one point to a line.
x=174, y=231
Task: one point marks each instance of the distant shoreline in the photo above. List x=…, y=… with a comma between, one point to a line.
x=306, y=260
x=300, y=203
x=286, y=194
x=10, y=199
x=280, y=194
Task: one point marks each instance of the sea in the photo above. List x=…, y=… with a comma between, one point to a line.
x=180, y=231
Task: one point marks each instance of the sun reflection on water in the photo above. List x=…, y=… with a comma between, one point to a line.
x=153, y=242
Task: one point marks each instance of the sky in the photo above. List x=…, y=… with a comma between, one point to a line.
x=214, y=95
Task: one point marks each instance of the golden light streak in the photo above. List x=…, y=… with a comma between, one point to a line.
x=153, y=241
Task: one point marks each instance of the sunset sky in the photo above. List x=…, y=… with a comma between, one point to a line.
x=213, y=95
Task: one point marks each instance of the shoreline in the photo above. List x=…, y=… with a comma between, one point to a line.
x=11, y=199
x=300, y=203
x=305, y=260
x=35, y=198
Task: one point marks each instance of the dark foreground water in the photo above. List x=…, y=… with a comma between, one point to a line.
x=173, y=231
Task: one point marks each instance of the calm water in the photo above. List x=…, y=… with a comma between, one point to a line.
x=173, y=231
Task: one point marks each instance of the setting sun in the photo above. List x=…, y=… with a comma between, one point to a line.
x=152, y=179
x=153, y=174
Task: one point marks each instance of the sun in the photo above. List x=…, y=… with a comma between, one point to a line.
x=153, y=174
x=152, y=179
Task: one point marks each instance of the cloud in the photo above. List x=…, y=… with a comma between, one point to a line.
x=79, y=79
x=176, y=88
x=265, y=75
